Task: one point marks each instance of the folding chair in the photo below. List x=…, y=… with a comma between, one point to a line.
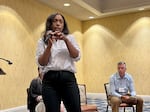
x=84, y=106
x=124, y=105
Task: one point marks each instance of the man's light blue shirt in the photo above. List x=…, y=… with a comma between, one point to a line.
x=121, y=86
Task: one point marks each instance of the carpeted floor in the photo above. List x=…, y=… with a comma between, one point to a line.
x=102, y=104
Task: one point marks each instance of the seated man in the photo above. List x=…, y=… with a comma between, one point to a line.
x=35, y=92
x=122, y=90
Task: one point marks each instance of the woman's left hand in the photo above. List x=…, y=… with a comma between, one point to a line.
x=60, y=35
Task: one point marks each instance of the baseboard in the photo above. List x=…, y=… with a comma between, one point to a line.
x=16, y=109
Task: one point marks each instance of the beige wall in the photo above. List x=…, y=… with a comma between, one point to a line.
x=103, y=43
x=109, y=40
x=21, y=25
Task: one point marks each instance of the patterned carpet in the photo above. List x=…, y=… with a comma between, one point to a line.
x=102, y=104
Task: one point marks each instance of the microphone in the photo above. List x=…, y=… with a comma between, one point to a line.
x=8, y=61
x=48, y=36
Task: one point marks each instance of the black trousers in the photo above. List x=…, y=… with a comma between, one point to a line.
x=57, y=86
x=31, y=110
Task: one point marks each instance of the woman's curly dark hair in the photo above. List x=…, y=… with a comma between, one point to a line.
x=49, y=22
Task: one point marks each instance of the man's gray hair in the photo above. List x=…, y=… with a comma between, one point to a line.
x=121, y=62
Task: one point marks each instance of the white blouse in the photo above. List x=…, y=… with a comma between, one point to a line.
x=60, y=58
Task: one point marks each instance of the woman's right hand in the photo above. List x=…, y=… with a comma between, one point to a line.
x=52, y=37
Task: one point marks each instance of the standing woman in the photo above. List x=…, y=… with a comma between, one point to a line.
x=56, y=53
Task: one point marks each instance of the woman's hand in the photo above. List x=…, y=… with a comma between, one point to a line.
x=52, y=37
x=59, y=35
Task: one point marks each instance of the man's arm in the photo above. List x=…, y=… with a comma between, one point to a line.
x=33, y=89
x=131, y=87
x=112, y=87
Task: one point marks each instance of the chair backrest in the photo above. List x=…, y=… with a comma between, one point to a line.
x=28, y=99
x=107, y=91
x=82, y=90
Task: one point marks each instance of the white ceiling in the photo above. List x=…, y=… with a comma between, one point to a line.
x=82, y=9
